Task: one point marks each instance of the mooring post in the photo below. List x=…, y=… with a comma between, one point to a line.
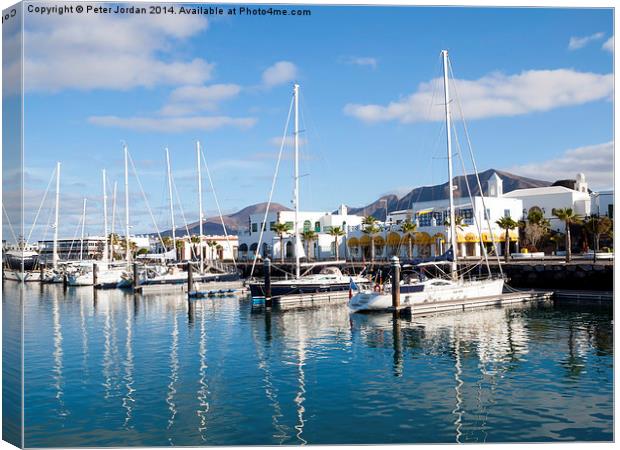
x=42, y=270
x=267, y=275
x=190, y=278
x=95, y=268
x=395, y=282
x=136, y=276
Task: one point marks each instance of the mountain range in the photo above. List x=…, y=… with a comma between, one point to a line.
x=391, y=202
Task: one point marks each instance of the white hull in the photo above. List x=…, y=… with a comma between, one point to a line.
x=435, y=290
x=21, y=276
x=109, y=277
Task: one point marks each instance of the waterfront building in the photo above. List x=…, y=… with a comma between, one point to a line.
x=322, y=247
x=478, y=226
x=214, y=247
x=562, y=194
x=92, y=248
x=603, y=203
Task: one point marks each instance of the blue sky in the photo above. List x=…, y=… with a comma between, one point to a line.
x=535, y=84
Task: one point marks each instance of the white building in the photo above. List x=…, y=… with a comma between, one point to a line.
x=550, y=197
x=214, y=247
x=479, y=216
x=322, y=247
x=603, y=203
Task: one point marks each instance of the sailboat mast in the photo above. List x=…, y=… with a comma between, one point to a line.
x=113, y=221
x=127, y=248
x=82, y=236
x=104, y=257
x=296, y=189
x=200, y=207
x=171, y=199
x=55, y=244
x=453, y=266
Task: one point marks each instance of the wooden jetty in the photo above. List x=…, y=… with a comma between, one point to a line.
x=215, y=287
x=423, y=309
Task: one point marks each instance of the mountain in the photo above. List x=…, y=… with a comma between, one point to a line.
x=234, y=222
x=511, y=181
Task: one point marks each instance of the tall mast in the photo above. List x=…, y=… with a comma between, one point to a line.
x=453, y=266
x=200, y=207
x=55, y=245
x=127, y=249
x=171, y=200
x=82, y=236
x=296, y=189
x=104, y=256
x=113, y=221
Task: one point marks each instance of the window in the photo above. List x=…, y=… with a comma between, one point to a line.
x=487, y=214
x=271, y=225
x=290, y=225
x=327, y=229
x=254, y=227
x=307, y=225
x=507, y=213
x=317, y=227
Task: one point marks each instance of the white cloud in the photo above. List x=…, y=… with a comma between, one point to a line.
x=360, y=61
x=289, y=141
x=172, y=124
x=576, y=43
x=97, y=51
x=190, y=99
x=609, y=45
x=494, y=95
x=279, y=73
x=595, y=161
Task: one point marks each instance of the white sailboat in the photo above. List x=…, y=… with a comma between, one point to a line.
x=435, y=289
x=330, y=279
x=107, y=276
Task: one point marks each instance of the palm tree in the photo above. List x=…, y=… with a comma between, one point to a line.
x=408, y=229
x=336, y=232
x=179, y=244
x=556, y=239
x=371, y=229
x=596, y=226
x=281, y=229
x=195, y=240
x=569, y=218
x=506, y=223
x=212, y=245
x=308, y=236
x=166, y=242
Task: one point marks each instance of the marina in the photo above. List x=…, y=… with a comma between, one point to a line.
x=356, y=236
x=159, y=370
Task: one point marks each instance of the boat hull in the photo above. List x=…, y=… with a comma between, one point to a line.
x=427, y=292
x=257, y=290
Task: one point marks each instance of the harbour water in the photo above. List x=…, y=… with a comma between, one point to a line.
x=119, y=370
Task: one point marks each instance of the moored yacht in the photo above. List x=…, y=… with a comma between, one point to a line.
x=434, y=289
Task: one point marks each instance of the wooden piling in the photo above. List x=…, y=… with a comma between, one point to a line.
x=395, y=282
x=190, y=278
x=136, y=276
x=267, y=274
x=95, y=269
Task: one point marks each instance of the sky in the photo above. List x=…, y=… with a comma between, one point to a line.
x=535, y=87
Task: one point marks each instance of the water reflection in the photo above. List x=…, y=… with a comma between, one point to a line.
x=203, y=389
x=59, y=381
x=308, y=376
x=128, y=400
x=174, y=373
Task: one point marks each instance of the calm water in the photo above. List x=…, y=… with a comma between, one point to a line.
x=118, y=370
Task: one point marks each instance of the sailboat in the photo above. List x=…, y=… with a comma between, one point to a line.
x=330, y=279
x=434, y=289
x=107, y=275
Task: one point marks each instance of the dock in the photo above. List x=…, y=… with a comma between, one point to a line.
x=236, y=287
x=423, y=309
